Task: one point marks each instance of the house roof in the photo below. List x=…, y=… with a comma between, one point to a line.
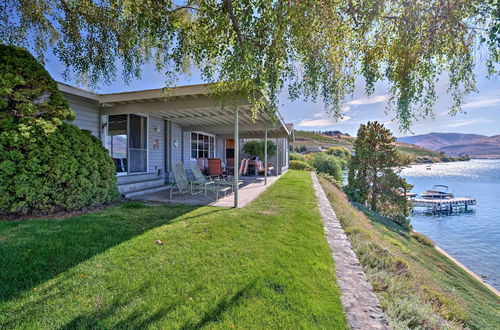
x=193, y=108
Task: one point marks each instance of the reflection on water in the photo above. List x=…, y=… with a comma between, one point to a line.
x=443, y=213
x=472, y=237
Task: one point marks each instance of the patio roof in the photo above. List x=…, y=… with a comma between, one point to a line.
x=194, y=109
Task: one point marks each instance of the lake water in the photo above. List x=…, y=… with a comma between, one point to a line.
x=472, y=238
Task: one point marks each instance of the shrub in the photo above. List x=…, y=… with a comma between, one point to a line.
x=331, y=179
x=300, y=165
x=338, y=152
x=297, y=156
x=62, y=171
x=45, y=165
x=256, y=148
x=326, y=164
x=422, y=238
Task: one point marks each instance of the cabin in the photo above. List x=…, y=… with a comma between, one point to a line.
x=147, y=131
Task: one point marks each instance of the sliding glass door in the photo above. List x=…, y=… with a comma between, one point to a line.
x=126, y=140
x=138, y=145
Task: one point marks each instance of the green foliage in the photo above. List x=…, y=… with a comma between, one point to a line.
x=297, y=156
x=331, y=179
x=30, y=103
x=300, y=165
x=65, y=170
x=257, y=148
x=45, y=165
x=339, y=152
x=326, y=164
x=314, y=49
x=422, y=238
x=418, y=287
x=374, y=173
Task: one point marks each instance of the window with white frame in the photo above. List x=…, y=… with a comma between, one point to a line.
x=202, y=145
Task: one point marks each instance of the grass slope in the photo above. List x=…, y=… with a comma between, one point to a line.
x=264, y=266
x=418, y=286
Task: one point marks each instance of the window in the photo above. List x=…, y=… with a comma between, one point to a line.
x=202, y=146
x=126, y=140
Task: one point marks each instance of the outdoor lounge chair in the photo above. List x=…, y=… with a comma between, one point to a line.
x=183, y=185
x=203, y=180
x=199, y=178
x=215, y=168
x=203, y=164
x=244, y=166
x=181, y=181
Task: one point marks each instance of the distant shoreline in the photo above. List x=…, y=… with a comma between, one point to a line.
x=470, y=272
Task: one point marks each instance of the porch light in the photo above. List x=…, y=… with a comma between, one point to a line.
x=103, y=126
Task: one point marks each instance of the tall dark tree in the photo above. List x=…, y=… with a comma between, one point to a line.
x=374, y=172
x=313, y=48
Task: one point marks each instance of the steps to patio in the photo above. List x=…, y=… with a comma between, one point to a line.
x=135, y=185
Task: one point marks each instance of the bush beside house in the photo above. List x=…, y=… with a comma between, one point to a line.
x=300, y=165
x=329, y=163
x=46, y=164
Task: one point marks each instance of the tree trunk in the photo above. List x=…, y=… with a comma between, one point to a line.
x=373, y=202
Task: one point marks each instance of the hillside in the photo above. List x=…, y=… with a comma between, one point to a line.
x=418, y=286
x=456, y=144
x=313, y=141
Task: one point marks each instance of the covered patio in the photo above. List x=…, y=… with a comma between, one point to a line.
x=189, y=110
x=251, y=188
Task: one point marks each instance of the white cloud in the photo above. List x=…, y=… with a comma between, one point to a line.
x=369, y=100
x=467, y=122
x=345, y=108
x=483, y=102
x=321, y=119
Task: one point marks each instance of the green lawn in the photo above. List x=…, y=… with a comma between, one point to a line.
x=416, y=284
x=264, y=266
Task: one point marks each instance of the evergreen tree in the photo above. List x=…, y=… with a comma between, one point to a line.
x=374, y=172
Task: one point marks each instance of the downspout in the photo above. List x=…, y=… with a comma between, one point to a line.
x=166, y=150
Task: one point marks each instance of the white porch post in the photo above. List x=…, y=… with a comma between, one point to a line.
x=265, y=158
x=236, y=155
x=278, y=171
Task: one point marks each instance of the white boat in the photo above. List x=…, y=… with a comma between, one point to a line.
x=438, y=191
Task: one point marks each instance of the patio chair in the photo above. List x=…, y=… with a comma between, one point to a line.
x=203, y=164
x=199, y=178
x=260, y=166
x=181, y=181
x=215, y=168
x=244, y=166
x=230, y=166
x=208, y=184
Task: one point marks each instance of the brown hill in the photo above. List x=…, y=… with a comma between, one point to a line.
x=456, y=144
x=486, y=147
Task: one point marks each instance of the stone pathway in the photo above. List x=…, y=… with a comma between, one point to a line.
x=361, y=306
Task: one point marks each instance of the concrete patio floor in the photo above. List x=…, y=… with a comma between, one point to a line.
x=251, y=188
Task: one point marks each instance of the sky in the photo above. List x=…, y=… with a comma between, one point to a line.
x=481, y=110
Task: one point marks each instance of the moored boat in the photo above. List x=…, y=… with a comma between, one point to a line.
x=438, y=191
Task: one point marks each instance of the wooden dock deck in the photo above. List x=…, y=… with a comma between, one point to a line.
x=445, y=204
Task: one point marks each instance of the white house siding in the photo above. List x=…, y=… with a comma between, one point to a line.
x=176, y=135
x=156, y=156
x=187, y=149
x=86, y=113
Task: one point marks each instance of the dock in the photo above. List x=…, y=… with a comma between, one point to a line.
x=443, y=205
